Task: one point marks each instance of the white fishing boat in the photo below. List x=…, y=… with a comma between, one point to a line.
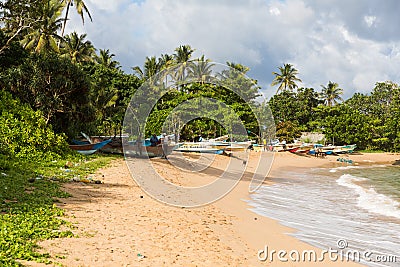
x=238, y=146
x=199, y=147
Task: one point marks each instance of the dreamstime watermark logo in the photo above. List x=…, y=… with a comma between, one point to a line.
x=341, y=253
x=177, y=80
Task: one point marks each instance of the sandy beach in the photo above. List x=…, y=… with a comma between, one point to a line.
x=117, y=224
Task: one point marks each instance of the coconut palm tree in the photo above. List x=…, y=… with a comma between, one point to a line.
x=286, y=78
x=238, y=67
x=106, y=59
x=200, y=69
x=166, y=61
x=77, y=48
x=43, y=35
x=331, y=94
x=182, y=55
x=150, y=68
x=80, y=7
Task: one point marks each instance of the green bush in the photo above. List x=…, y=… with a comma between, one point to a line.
x=24, y=132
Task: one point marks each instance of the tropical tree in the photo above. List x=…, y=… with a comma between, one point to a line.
x=56, y=87
x=80, y=7
x=331, y=94
x=76, y=48
x=286, y=78
x=16, y=16
x=166, y=61
x=200, y=69
x=12, y=55
x=42, y=36
x=287, y=130
x=182, y=55
x=150, y=68
x=105, y=58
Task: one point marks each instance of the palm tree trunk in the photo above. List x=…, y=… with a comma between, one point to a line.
x=64, y=22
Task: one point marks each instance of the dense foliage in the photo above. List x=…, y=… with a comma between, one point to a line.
x=24, y=133
x=369, y=120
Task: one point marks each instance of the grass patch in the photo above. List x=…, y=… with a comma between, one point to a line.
x=28, y=213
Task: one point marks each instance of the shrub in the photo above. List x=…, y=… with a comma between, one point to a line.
x=25, y=134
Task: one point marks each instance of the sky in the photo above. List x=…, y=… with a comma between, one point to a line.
x=354, y=43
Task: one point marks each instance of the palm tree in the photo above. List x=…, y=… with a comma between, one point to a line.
x=166, y=61
x=200, y=69
x=331, y=94
x=77, y=49
x=182, y=55
x=106, y=59
x=43, y=36
x=238, y=67
x=286, y=78
x=80, y=7
x=150, y=68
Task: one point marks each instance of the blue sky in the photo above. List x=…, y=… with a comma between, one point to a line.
x=355, y=43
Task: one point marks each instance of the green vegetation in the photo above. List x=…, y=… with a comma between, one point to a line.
x=25, y=134
x=369, y=120
x=28, y=214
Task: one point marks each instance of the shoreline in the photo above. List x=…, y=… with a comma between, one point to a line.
x=117, y=223
x=250, y=225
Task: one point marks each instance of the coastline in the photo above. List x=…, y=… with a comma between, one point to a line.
x=260, y=231
x=117, y=223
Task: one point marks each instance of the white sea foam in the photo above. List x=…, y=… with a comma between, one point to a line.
x=342, y=168
x=369, y=199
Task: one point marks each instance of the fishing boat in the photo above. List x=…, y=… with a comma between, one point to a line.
x=87, y=149
x=344, y=149
x=144, y=148
x=237, y=146
x=199, y=147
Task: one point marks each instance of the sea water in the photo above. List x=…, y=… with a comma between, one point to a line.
x=355, y=205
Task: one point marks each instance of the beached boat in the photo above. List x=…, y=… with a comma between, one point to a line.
x=332, y=150
x=145, y=149
x=87, y=149
x=199, y=147
x=237, y=146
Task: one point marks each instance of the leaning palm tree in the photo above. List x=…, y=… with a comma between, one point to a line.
x=331, y=94
x=286, y=78
x=106, y=59
x=80, y=7
x=43, y=35
x=76, y=48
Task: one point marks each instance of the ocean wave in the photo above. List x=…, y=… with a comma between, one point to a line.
x=369, y=199
x=341, y=168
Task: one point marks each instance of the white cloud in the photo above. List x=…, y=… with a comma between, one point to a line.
x=325, y=40
x=370, y=20
x=274, y=11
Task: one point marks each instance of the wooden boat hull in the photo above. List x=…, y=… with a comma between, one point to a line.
x=87, y=149
x=199, y=148
x=149, y=151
